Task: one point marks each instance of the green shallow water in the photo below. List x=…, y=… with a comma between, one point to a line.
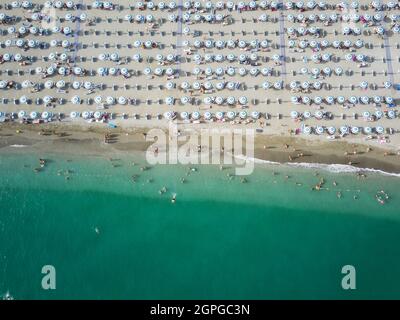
x=271, y=237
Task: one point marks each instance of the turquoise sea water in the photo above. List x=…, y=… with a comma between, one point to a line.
x=269, y=238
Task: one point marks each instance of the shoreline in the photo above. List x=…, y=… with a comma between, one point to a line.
x=292, y=151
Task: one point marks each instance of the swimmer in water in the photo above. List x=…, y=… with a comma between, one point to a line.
x=173, y=200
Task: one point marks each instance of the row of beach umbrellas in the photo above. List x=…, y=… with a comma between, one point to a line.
x=341, y=100
x=319, y=114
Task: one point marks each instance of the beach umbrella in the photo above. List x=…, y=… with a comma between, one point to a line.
x=389, y=100
x=266, y=85
x=196, y=85
x=158, y=71
x=331, y=130
x=231, y=115
x=23, y=100
x=327, y=70
x=325, y=43
x=97, y=115
x=231, y=100
x=184, y=115
x=125, y=72
x=306, y=100
x=359, y=43
x=353, y=99
x=168, y=115
x=367, y=130
x=363, y=84
x=169, y=71
x=378, y=114
x=98, y=99
x=230, y=71
x=318, y=114
x=391, y=114
x=264, y=44
x=219, y=100
x=317, y=100
x=366, y=114
x=53, y=43
x=305, y=85
x=304, y=70
x=49, y=84
x=319, y=130
x=266, y=71
x=33, y=115
x=11, y=30
x=208, y=71
x=278, y=85
x=338, y=71
x=169, y=100
x=294, y=114
x=47, y=99
x=316, y=71
x=46, y=115
x=364, y=99
x=242, y=100
x=185, y=99
x=122, y=100
x=254, y=72
x=243, y=115
x=137, y=57
x=330, y=100
x=336, y=43
x=114, y=56
x=255, y=115
x=65, y=43
x=21, y=43
x=294, y=84
x=219, y=71
x=196, y=115
x=208, y=100
x=317, y=85
x=207, y=115
x=208, y=44
x=38, y=70
x=21, y=114
x=340, y=99
x=207, y=85
x=26, y=84
x=344, y=129
x=3, y=84
x=355, y=130
x=220, y=85
x=50, y=70
x=85, y=114
x=113, y=71
x=294, y=99
x=307, y=130
x=313, y=44
x=380, y=130
x=60, y=84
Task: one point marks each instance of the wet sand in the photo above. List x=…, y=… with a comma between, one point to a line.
x=77, y=140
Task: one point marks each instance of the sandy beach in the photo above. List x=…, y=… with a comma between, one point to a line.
x=142, y=98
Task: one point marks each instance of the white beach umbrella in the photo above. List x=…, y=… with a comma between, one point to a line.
x=110, y=100
x=76, y=100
